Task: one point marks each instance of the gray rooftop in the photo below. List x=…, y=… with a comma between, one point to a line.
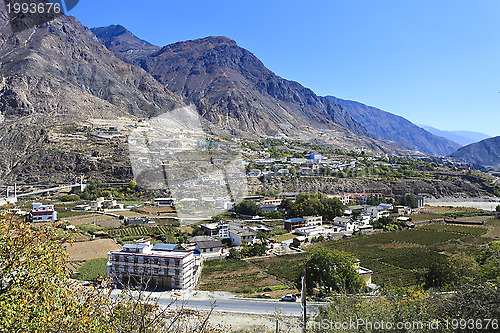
x=164, y=247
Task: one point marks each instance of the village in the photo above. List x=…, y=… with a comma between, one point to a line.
x=132, y=241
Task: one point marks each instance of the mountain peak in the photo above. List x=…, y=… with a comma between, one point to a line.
x=129, y=46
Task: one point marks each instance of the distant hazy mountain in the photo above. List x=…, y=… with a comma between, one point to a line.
x=463, y=138
x=388, y=126
x=485, y=153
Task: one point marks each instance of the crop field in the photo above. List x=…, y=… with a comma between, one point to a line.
x=494, y=222
x=95, y=219
x=423, y=237
x=91, y=249
x=138, y=231
x=396, y=258
x=454, y=228
x=287, y=267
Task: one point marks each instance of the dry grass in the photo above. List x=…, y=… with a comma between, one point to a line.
x=103, y=221
x=91, y=249
x=493, y=233
x=235, y=276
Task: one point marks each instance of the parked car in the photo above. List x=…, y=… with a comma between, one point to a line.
x=288, y=298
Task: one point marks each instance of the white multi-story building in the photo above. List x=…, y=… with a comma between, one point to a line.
x=313, y=220
x=160, y=265
x=164, y=202
x=238, y=235
x=43, y=213
x=219, y=230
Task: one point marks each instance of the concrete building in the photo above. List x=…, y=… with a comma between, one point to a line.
x=294, y=223
x=161, y=266
x=164, y=202
x=311, y=231
x=268, y=204
x=238, y=235
x=344, y=222
x=218, y=230
x=139, y=221
x=206, y=246
x=365, y=273
x=43, y=213
x=261, y=228
x=313, y=220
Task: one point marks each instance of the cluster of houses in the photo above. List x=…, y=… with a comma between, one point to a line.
x=307, y=166
x=101, y=204
x=356, y=219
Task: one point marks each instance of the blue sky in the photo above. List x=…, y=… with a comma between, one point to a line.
x=433, y=62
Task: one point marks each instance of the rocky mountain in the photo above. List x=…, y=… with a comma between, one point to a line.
x=485, y=153
x=232, y=88
x=396, y=129
x=463, y=138
x=54, y=78
x=125, y=45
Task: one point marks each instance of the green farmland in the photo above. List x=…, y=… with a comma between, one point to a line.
x=396, y=258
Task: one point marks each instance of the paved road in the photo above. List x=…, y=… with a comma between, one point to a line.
x=224, y=302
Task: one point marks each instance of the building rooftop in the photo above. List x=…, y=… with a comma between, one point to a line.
x=135, y=246
x=164, y=247
x=243, y=232
x=294, y=220
x=202, y=238
x=210, y=244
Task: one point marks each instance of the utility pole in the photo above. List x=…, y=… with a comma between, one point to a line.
x=303, y=301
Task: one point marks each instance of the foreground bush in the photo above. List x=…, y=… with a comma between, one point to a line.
x=37, y=294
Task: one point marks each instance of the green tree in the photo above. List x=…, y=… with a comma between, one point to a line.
x=36, y=294
x=498, y=208
x=247, y=207
x=311, y=204
x=331, y=271
x=451, y=271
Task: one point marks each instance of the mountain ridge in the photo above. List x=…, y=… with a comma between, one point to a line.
x=190, y=69
x=485, y=153
x=394, y=128
x=224, y=81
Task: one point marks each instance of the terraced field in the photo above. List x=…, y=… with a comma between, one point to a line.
x=454, y=228
x=138, y=231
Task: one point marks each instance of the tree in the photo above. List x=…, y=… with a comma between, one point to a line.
x=132, y=184
x=247, y=207
x=454, y=270
x=498, y=208
x=196, y=231
x=35, y=291
x=37, y=294
x=312, y=204
x=331, y=271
